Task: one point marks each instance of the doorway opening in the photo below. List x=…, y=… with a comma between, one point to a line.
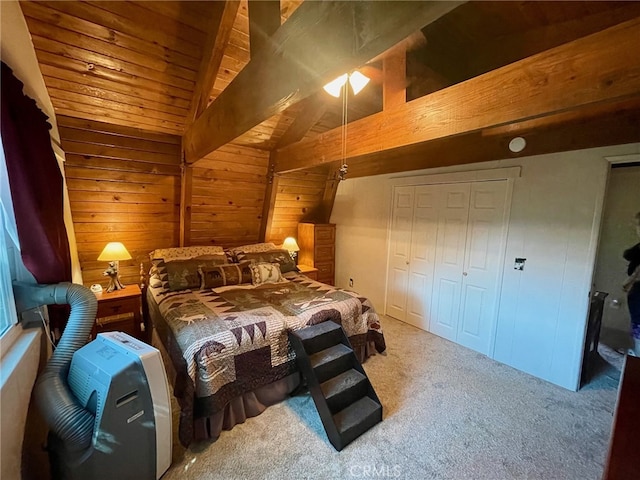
x=617, y=233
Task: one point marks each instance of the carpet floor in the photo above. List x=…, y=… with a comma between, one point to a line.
x=449, y=413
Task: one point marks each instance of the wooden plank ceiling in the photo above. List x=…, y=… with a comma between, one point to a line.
x=135, y=63
x=116, y=69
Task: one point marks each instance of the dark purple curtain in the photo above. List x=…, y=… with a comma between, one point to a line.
x=36, y=183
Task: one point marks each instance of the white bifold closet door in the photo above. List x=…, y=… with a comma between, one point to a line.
x=446, y=257
x=449, y=259
x=411, y=255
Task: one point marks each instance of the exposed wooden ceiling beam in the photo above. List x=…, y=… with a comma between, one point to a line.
x=264, y=20
x=313, y=110
x=593, y=126
x=602, y=67
x=270, y=195
x=223, y=16
x=329, y=196
x=318, y=42
x=394, y=88
x=186, y=199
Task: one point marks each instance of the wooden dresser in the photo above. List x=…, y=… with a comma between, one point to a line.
x=317, y=249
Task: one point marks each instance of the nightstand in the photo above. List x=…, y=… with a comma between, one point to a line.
x=120, y=310
x=311, y=272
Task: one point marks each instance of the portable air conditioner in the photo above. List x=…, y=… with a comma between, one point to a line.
x=122, y=381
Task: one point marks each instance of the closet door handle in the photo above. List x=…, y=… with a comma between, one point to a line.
x=464, y=273
x=407, y=263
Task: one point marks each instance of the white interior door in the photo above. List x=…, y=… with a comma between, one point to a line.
x=399, y=252
x=422, y=255
x=482, y=265
x=449, y=259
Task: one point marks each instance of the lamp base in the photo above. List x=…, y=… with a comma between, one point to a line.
x=114, y=277
x=114, y=283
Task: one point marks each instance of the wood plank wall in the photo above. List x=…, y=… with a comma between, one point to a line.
x=124, y=185
x=227, y=195
x=298, y=199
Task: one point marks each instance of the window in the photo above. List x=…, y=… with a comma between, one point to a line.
x=7, y=309
x=8, y=247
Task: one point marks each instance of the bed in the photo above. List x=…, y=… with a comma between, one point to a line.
x=224, y=330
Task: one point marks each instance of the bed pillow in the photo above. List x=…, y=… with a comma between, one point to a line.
x=222, y=275
x=262, y=273
x=254, y=247
x=279, y=256
x=184, y=253
x=183, y=274
x=154, y=278
x=154, y=281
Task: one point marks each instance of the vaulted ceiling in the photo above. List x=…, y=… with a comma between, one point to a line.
x=206, y=123
x=163, y=67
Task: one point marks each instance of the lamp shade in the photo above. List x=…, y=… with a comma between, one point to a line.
x=358, y=81
x=334, y=87
x=114, y=251
x=290, y=244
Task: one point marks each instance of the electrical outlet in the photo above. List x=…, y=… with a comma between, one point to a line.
x=351, y=282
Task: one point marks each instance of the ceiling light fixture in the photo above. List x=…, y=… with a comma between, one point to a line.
x=334, y=87
x=357, y=81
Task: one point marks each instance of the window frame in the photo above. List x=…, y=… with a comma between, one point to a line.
x=8, y=271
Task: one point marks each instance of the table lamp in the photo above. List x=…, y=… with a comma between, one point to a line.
x=113, y=253
x=291, y=245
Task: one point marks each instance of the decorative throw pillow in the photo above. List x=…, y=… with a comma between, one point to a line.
x=262, y=273
x=183, y=274
x=222, y=275
x=154, y=278
x=279, y=256
x=231, y=257
x=161, y=274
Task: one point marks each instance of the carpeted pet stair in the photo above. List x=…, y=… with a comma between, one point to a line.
x=347, y=404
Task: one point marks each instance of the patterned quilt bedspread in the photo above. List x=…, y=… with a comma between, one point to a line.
x=228, y=341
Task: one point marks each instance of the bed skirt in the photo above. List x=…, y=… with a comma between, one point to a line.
x=245, y=406
x=237, y=410
x=253, y=403
x=250, y=404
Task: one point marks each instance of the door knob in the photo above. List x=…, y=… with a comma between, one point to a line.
x=407, y=263
x=464, y=273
